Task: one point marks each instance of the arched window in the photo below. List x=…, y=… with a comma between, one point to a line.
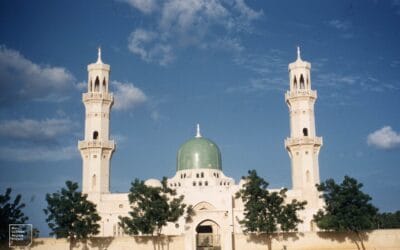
x=95, y=135
x=97, y=85
x=202, y=175
x=104, y=85
x=301, y=82
x=307, y=83
x=91, y=86
x=305, y=132
x=295, y=83
x=93, y=181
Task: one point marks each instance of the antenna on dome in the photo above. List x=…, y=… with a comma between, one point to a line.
x=198, y=134
x=99, y=55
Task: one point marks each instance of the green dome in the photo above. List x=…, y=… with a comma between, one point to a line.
x=199, y=153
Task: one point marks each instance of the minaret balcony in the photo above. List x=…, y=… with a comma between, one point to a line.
x=96, y=144
x=97, y=96
x=301, y=93
x=316, y=141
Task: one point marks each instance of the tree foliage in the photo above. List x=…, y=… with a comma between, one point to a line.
x=70, y=215
x=388, y=220
x=346, y=208
x=152, y=208
x=10, y=213
x=265, y=211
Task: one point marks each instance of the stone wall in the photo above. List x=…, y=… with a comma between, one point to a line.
x=373, y=240
x=110, y=243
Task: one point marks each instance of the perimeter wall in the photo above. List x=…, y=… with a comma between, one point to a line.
x=372, y=240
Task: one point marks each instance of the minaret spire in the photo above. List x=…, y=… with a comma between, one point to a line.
x=198, y=134
x=298, y=53
x=99, y=61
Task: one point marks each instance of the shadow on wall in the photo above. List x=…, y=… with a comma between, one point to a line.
x=266, y=239
x=358, y=238
x=160, y=242
x=100, y=243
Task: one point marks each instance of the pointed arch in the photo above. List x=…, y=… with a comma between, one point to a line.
x=97, y=84
x=91, y=86
x=104, y=88
x=295, y=83
x=203, y=205
x=302, y=82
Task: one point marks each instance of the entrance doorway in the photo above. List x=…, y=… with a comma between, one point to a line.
x=207, y=236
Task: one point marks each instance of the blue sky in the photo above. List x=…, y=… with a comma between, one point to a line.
x=220, y=63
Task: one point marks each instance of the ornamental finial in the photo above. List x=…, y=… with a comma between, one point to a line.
x=99, y=55
x=198, y=134
x=298, y=53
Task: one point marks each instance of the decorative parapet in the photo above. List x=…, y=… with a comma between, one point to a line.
x=97, y=96
x=96, y=144
x=301, y=93
x=317, y=141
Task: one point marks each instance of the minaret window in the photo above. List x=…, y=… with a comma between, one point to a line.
x=305, y=132
x=301, y=82
x=97, y=85
x=95, y=135
x=295, y=83
x=91, y=86
x=104, y=85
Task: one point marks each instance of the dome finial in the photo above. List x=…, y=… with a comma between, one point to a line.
x=99, y=55
x=298, y=53
x=198, y=134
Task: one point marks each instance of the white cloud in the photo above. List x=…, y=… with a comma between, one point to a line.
x=127, y=96
x=145, y=6
x=246, y=11
x=340, y=25
x=384, y=138
x=21, y=78
x=81, y=85
x=29, y=140
x=191, y=23
x=34, y=154
x=145, y=44
x=36, y=130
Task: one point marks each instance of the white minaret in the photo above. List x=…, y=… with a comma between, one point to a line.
x=303, y=145
x=97, y=148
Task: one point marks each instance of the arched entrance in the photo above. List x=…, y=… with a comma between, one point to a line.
x=208, y=236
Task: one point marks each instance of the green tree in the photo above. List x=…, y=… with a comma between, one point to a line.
x=70, y=215
x=153, y=208
x=347, y=208
x=388, y=220
x=265, y=211
x=10, y=213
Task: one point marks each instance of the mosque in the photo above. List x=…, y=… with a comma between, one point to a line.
x=199, y=174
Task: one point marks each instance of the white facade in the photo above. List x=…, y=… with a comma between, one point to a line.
x=207, y=189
